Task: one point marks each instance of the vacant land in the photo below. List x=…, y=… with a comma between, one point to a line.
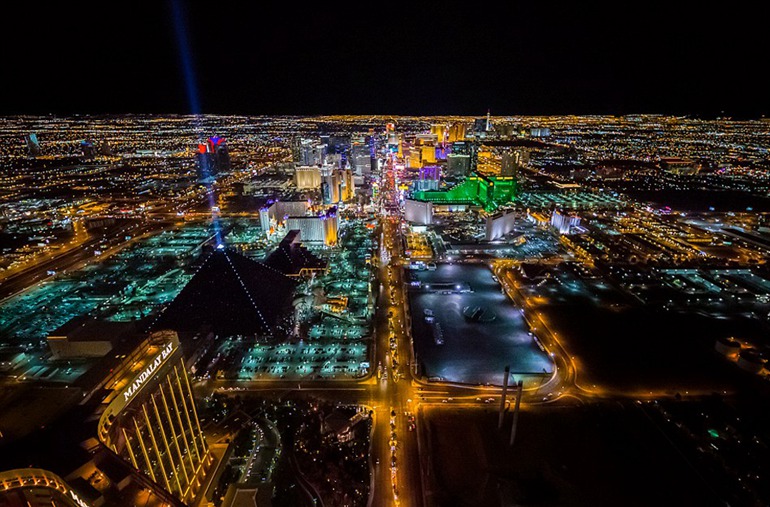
x=573, y=456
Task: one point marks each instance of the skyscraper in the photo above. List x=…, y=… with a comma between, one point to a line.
x=479, y=125
x=564, y=222
x=456, y=132
x=361, y=158
x=331, y=187
x=33, y=145
x=309, y=152
x=428, y=154
x=151, y=421
x=429, y=178
x=348, y=187
x=206, y=167
x=221, y=154
x=331, y=223
x=264, y=221
x=513, y=161
x=458, y=164
x=439, y=131
x=322, y=227
x=213, y=158
x=340, y=145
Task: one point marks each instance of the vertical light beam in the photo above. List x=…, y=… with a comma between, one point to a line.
x=193, y=99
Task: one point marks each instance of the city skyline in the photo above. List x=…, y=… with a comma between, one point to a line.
x=207, y=310
x=384, y=255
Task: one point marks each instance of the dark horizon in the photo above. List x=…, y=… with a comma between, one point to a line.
x=515, y=60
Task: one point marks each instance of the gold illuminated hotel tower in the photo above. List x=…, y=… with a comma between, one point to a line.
x=151, y=421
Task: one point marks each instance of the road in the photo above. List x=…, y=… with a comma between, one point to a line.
x=395, y=456
x=75, y=257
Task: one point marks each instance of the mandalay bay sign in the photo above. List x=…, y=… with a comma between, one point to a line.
x=148, y=371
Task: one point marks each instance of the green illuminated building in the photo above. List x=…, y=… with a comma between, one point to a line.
x=489, y=192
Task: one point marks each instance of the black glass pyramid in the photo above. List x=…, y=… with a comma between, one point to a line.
x=230, y=295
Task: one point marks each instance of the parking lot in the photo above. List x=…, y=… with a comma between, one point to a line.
x=238, y=359
x=473, y=351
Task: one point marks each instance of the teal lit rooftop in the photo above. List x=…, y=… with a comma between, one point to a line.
x=488, y=192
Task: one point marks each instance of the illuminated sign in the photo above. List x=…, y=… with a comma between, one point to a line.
x=78, y=500
x=148, y=372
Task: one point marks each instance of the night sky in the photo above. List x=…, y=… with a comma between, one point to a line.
x=530, y=57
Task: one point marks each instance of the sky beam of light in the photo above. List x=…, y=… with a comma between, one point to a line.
x=193, y=99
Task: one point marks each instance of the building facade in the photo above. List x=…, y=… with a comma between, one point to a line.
x=34, y=487
x=151, y=421
x=308, y=177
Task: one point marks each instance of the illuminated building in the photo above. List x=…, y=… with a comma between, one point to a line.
x=456, y=132
x=487, y=163
x=296, y=149
x=151, y=421
x=458, y=165
x=418, y=212
x=428, y=154
x=564, y=222
x=439, y=131
x=507, y=130
x=429, y=178
x=425, y=139
x=513, y=161
x=488, y=192
x=461, y=148
x=540, y=132
x=33, y=487
x=469, y=148
x=322, y=228
x=480, y=125
x=442, y=151
x=33, y=146
x=339, y=145
x=675, y=165
x=213, y=158
x=393, y=140
x=334, y=160
x=311, y=228
x=361, y=159
x=307, y=177
x=331, y=224
x=336, y=185
x=330, y=188
x=499, y=225
x=310, y=152
x=231, y=295
x=279, y=210
x=264, y=221
x=538, y=218
x=348, y=188
x=415, y=158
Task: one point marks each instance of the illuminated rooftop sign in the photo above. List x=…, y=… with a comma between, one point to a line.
x=78, y=501
x=148, y=371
